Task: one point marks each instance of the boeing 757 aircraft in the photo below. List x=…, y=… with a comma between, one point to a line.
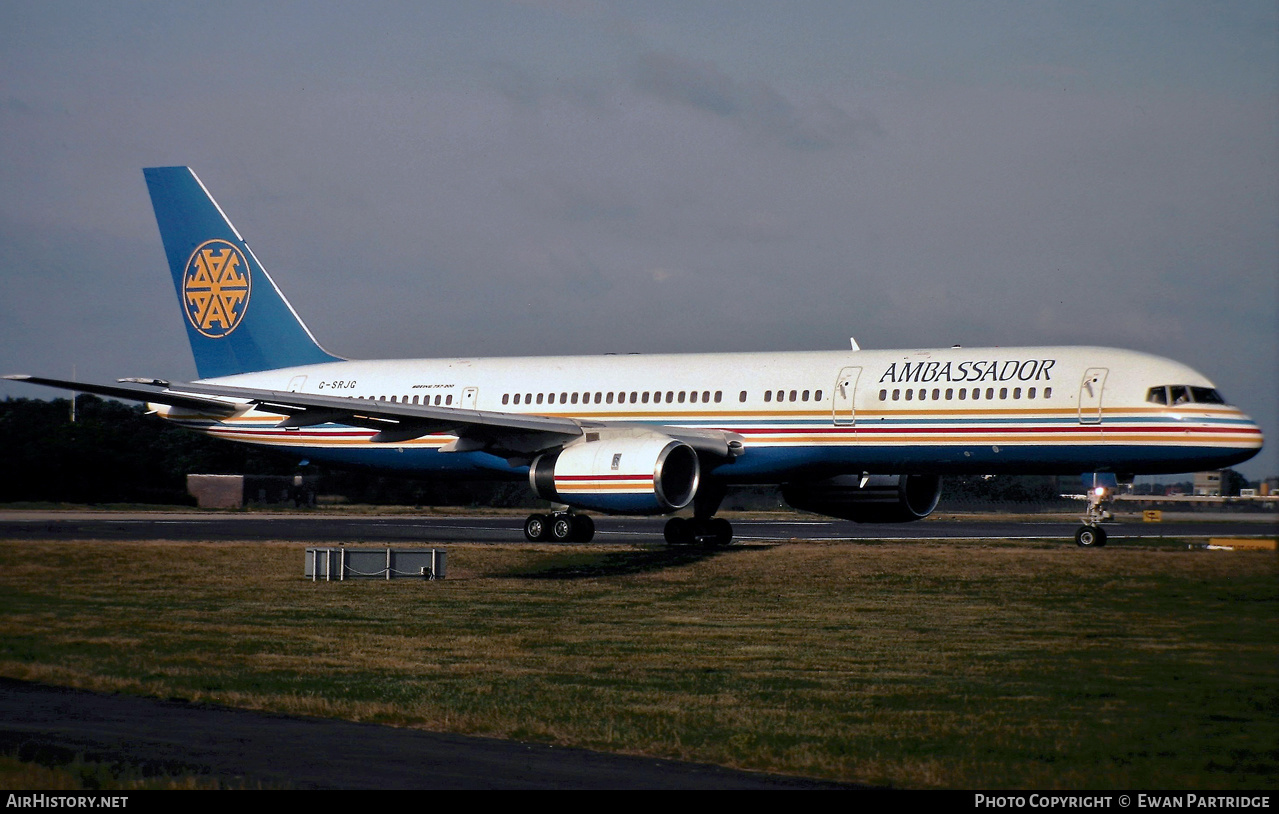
x=857, y=434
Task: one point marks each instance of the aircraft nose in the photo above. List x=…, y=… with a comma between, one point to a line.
x=1250, y=438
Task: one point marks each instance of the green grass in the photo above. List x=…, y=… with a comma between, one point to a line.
x=916, y=665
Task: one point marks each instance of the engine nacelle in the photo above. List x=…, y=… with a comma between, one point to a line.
x=619, y=472
x=883, y=498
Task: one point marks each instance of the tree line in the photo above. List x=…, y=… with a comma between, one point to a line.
x=116, y=453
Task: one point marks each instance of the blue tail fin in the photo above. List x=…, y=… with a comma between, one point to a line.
x=237, y=319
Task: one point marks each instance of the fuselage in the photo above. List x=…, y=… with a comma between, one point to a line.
x=1051, y=410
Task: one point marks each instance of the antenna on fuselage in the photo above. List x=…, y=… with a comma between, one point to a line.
x=853, y=342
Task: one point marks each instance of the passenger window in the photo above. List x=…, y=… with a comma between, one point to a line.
x=1048, y=392
x=741, y=397
x=909, y=392
x=990, y=392
x=817, y=396
x=1030, y=394
x=897, y=394
x=1003, y=392
x=883, y=395
x=768, y=395
x=517, y=398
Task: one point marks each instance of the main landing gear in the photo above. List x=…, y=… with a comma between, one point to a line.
x=711, y=532
x=562, y=527
x=703, y=528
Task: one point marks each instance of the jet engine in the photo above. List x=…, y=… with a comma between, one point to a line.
x=621, y=472
x=879, y=499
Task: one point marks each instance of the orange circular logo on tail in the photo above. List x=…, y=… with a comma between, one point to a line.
x=215, y=288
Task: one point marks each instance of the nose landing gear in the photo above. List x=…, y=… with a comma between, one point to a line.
x=1091, y=534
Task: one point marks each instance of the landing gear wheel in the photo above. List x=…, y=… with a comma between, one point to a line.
x=537, y=527
x=1090, y=537
x=562, y=528
x=721, y=531
x=583, y=528
x=678, y=531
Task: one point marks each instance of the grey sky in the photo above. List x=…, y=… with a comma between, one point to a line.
x=500, y=178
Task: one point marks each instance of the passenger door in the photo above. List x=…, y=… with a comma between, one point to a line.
x=844, y=405
x=1090, y=391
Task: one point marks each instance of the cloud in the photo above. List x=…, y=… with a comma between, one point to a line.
x=756, y=106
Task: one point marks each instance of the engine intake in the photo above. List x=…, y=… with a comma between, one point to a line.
x=883, y=498
x=619, y=473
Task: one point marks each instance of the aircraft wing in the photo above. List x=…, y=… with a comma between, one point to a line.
x=512, y=435
x=501, y=433
x=134, y=390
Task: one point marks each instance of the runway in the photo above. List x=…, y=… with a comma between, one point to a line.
x=357, y=528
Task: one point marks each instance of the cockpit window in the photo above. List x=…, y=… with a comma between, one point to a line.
x=1183, y=394
x=1206, y=395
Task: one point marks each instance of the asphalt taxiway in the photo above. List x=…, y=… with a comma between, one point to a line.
x=241, y=748
x=326, y=527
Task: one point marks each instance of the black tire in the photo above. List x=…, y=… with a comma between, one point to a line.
x=562, y=528
x=722, y=530
x=1090, y=537
x=583, y=528
x=678, y=531
x=537, y=528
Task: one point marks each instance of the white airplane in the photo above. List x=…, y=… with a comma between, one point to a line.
x=857, y=434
